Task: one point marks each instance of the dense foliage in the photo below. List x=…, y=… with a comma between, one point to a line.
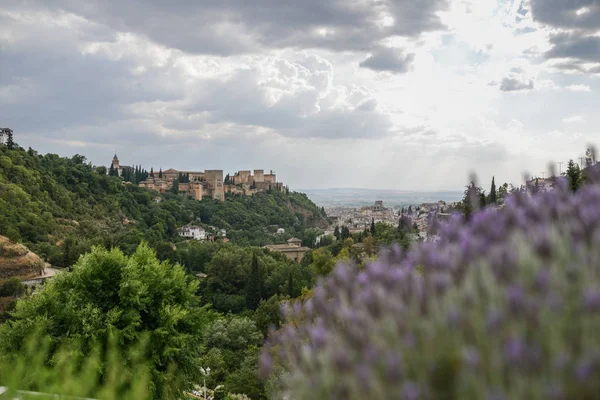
x=240, y=277
x=130, y=297
x=61, y=207
x=504, y=306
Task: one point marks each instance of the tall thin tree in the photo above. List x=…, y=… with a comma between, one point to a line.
x=493, y=194
x=254, y=288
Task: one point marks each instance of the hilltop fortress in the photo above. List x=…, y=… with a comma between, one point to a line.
x=208, y=183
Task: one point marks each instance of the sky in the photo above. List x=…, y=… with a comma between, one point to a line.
x=388, y=94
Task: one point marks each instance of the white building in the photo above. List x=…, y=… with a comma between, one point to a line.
x=192, y=232
x=280, y=230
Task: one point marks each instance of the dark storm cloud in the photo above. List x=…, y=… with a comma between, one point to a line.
x=228, y=27
x=390, y=60
x=585, y=48
x=578, y=41
x=564, y=13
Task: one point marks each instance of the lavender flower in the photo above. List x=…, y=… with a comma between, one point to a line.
x=511, y=294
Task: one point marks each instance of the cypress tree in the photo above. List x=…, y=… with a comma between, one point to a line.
x=574, y=175
x=336, y=233
x=175, y=188
x=9, y=140
x=254, y=289
x=291, y=286
x=373, y=226
x=151, y=172
x=160, y=173
x=345, y=232
x=493, y=194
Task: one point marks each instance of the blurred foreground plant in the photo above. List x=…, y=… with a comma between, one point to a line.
x=504, y=306
x=101, y=372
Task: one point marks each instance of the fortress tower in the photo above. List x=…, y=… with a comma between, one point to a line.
x=259, y=175
x=116, y=166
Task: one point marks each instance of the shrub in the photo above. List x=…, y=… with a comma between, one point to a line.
x=11, y=288
x=506, y=305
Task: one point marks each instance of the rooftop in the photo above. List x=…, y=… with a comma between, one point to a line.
x=286, y=248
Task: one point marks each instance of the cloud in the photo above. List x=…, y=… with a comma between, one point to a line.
x=135, y=90
x=226, y=27
x=578, y=88
x=574, y=118
x=389, y=60
x=516, y=80
x=514, y=84
x=568, y=14
x=270, y=84
x=575, y=46
x=575, y=30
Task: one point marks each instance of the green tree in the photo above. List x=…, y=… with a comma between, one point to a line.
x=160, y=174
x=245, y=379
x=69, y=251
x=336, y=232
x=323, y=261
x=254, y=290
x=369, y=245
x=136, y=297
x=373, y=231
x=10, y=143
x=12, y=288
x=345, y=234
x=233, y=333
x=268, y=313
x=175, y=188
x=151, y=172
x=290, y=286
x=471, y=200
x=493, y=194
x=573, y=175
x=503, y=192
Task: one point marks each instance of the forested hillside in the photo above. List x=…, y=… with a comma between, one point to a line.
x=61, y=207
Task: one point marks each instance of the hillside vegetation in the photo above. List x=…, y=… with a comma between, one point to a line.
x=17, y=261
x=60, y=207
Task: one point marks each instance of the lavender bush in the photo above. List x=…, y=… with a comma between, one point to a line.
x=504, y=306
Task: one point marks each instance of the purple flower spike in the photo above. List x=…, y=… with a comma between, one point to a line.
x=265, y=363
x=516, y=299
x=411, y=391
x=591, y=300
x=471, y=357
x=584, y=369
x=514, y=351
x=496, y=395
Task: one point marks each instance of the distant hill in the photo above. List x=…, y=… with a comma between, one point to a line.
x=350, y=197
x=60, y=207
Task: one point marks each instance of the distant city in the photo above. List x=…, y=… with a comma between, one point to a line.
x=350, y=197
